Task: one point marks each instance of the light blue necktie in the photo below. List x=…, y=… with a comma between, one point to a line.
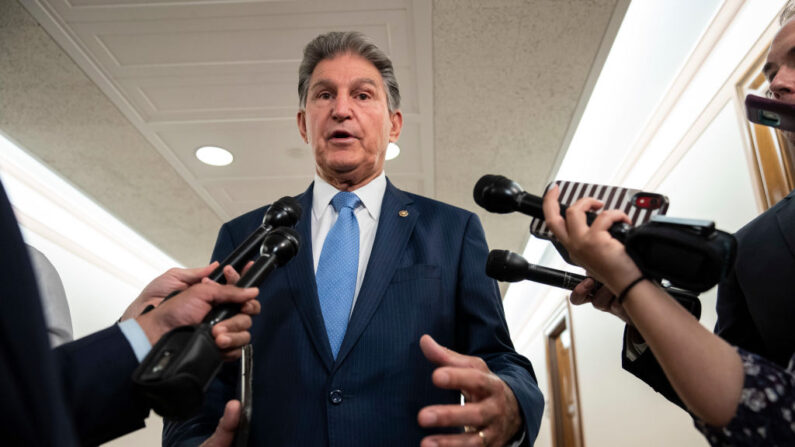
x=337, y=269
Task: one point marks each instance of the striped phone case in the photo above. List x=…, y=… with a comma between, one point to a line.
x=640, y=206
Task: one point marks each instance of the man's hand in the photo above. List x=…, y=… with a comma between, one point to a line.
x=192, y=305
x=225, y=431
x=175, y=279
x=160, y=287
x=491, y=407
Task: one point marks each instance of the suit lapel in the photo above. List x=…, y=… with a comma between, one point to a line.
x=301, y=275
x=784, y=215
x=392, y=234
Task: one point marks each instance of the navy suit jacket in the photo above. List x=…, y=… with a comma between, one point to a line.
x=79, y=394
x=756, y=303
x=426, y=275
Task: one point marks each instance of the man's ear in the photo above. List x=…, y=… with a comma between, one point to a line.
x=301, y=119
x=396, y=119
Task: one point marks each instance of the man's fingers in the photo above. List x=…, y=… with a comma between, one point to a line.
x=251, y=307
x=471, y=414
x=192, y=275
x=232, y=334
x=232, y=294
x=442, y=356
x=237, y=323
x=229, y=356
x=472, y=439
x=233, y=340
x=225, y=431
x=475, y=382
x=230, y=275
x=433, y=351
x=246, y=267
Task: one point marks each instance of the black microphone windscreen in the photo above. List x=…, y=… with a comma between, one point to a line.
x=497, y=194
x=504, y=265
x=284, y=212
x=283, y=242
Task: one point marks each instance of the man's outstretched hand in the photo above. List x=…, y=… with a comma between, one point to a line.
x=491, y=413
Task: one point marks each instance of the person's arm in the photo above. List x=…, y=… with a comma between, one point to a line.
x=639, y=360
x=96, y=370
x=705, y=371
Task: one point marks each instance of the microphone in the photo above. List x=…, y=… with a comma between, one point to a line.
x=507, y=266
x=284, y=212
x=175, y=374
x=499, y=194
x=278, y=247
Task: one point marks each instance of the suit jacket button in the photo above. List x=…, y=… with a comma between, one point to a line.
x=335, y=397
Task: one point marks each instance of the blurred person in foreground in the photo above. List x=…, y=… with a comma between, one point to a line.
x=81, y=393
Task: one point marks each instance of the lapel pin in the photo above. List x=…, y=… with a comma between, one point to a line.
x=403, y=213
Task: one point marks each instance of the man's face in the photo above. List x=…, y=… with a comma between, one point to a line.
x=347, y=121
x=779, y=68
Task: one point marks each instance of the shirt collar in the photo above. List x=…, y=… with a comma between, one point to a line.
x=371, y=195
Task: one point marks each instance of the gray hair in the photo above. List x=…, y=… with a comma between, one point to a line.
x=787, y=13
x=329, y=45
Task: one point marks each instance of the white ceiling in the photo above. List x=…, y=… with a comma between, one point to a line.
x=194, y=73
x=117, y=95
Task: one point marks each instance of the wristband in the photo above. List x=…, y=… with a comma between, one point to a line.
x=623, y=295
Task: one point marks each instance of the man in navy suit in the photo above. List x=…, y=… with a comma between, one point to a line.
x=377, y=376
x=81, y=393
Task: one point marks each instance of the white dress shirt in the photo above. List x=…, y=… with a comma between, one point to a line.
x=324, y=216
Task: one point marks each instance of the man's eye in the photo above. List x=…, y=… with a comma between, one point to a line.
x=324, y=95
x=363, y=96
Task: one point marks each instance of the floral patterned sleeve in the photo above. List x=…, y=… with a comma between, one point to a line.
x=766, y=409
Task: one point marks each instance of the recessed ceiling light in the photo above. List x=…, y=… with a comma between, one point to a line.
x=214, y=156
x=392, y=151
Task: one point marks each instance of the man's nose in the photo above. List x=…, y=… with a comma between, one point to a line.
x=784, y=82
x=342, y=108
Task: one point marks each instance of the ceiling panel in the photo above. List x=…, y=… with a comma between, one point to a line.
x=488, y=86
x=187, y=74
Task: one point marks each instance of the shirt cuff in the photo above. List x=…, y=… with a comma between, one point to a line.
x=136, y=337
x=518, y=442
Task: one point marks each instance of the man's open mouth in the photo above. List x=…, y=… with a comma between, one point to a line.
x=340, y=135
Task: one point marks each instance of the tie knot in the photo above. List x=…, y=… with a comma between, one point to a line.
x=345, y=199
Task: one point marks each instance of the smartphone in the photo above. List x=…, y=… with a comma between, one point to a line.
x=770, y=112
x=639, y=205
x=246, y=377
